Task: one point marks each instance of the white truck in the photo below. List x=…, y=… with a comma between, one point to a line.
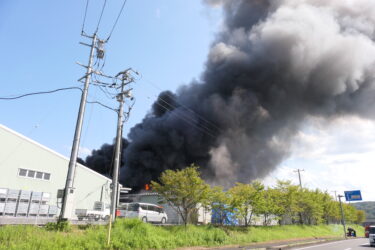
x=100, y=211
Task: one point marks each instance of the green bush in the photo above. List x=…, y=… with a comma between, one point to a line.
x=61, y=226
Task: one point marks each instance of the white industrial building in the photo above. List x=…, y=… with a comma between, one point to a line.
x=32, y=174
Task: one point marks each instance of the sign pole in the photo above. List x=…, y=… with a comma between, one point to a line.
x=342, y=215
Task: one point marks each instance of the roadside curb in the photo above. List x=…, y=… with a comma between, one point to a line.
x=302, y=244
x=273, y=245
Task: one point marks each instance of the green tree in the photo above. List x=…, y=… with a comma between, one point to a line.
x=288, y=201
x=247, y=199
x=220, y=201
x=310, y=206
x=350, y=213
x=331, y=209
x=184, y=190
x=361, y=217
x=271, y=206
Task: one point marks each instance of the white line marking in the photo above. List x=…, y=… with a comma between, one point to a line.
x=326, y=244
x=348, y=248
x=331, y=243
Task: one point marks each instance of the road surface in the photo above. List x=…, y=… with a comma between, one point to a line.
x=351, y=244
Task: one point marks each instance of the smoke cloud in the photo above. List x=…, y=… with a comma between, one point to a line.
x=101, y=160
x=273, y=64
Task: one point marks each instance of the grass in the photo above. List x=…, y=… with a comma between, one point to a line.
x=134, y=234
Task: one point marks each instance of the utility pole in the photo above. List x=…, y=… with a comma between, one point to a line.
x=299, y=176
x=121, y=99
x=67, y=203
x=335, y=194
x=342, y=215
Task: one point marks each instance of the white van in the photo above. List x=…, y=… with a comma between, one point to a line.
x=146, y=212
x=371, y=235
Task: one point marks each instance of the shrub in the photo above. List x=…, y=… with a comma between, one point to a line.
x=61, y=226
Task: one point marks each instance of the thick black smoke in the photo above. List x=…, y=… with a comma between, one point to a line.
x=101, y=160
x=274, y=64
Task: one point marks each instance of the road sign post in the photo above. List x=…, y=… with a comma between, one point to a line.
x=342, y=215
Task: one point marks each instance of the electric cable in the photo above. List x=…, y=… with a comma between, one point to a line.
x=39, y=93
x=187, y=121
x=187, y=117
x=88, y=123
x=106, y=93
x=118, y=17
x=84, y=17
x=101, y=104
x=184, y=106
x=101, y=15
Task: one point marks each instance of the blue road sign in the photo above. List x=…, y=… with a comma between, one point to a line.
x=354, y=195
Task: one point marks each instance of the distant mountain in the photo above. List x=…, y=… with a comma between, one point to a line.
x=368, y=207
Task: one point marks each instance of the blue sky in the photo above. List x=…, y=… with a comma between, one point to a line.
x=164, y=40
x=167, y=42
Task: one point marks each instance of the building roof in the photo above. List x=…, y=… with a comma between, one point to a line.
x=49, y=150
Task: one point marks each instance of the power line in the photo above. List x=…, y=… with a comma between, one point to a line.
x=101, y=15
x=186, y=118
x=118, y=17
x=101, y=104
x=184, y=106
x=84, y=17
x=184, y=115
x=39, y=93
x=188, y=121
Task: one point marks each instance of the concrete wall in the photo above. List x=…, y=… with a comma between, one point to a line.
x=17, y=151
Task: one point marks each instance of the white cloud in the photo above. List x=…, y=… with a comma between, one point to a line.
x=338, y=155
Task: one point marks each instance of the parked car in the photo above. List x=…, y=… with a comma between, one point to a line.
x=372, y=235
x=145, y=211
x=100, y=211
x=367, y=228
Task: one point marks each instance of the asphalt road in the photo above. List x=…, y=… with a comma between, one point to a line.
x=355, y=244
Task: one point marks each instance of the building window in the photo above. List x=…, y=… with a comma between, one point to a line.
x=34, y=174
x=39, y=175
x=31, y=173
x=22, y=172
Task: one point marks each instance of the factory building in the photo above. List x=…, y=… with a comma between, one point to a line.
x=32, y=174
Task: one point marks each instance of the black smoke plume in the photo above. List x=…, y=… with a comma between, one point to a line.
x=101, y=160
x=273, y=64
